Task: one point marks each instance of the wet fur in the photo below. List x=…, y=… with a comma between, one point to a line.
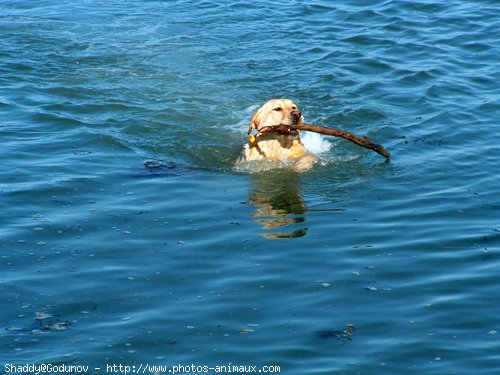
x=273, y=146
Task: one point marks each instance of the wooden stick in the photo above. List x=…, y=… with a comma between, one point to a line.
x=362, y=141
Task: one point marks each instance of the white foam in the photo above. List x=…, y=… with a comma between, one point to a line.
x=315, y=143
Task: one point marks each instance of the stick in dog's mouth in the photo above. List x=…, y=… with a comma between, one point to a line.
x=361, y=141
x=287, y=130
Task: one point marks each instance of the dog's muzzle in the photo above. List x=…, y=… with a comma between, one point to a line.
x=296, y=116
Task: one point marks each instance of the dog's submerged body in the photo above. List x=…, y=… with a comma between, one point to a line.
x=285, y=146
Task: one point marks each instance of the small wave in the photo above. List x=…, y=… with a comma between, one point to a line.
x=244, y=119
x=259, y=166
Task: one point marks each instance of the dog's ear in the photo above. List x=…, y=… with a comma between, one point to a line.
x=254, y=123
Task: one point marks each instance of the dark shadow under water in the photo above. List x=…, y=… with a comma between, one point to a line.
x=278, y=203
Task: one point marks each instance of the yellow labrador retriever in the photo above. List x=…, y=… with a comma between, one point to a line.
x=284, y=146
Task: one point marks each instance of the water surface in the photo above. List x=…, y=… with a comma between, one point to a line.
x=125, y=224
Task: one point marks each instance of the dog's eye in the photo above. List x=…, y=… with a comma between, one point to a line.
x=278, y=109
x=294, y=107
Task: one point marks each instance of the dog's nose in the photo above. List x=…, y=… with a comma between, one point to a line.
x=296, y=115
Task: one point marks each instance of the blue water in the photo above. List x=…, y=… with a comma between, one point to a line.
x=127, y=236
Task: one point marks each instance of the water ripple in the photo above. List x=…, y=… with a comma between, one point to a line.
x=124, y=214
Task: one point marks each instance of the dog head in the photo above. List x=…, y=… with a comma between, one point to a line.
x=276, y=112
